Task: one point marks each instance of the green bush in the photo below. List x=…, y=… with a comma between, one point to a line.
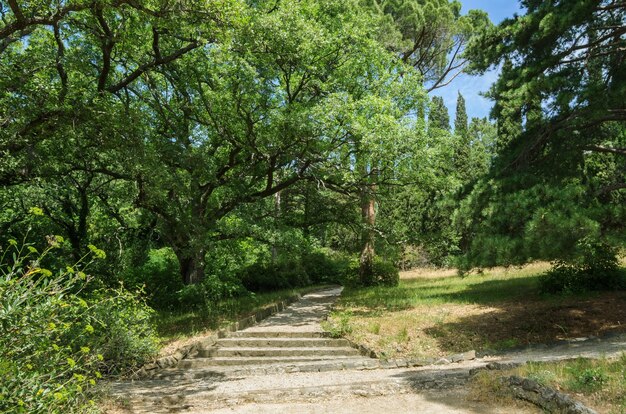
x=385, y=273
x=322, y=268
x=123, y=331
x=54, y=340
x=382, y=273
x=159, y=277
x=596, y=268
x=207, y=294
x=263, y=277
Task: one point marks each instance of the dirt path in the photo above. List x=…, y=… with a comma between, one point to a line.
x=277, y=385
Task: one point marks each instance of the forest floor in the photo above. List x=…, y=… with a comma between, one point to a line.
x=433, y=313
x=441, y=389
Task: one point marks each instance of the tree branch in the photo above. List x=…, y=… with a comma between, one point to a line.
x=147, y=66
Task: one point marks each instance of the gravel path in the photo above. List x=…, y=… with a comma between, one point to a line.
x=431, y=389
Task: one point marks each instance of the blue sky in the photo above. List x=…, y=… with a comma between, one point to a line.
x=471, y=86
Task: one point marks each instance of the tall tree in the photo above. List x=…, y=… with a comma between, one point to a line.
x=438, y=117
x=462, y=142
x=243, y=122
x=70, y=126
x=546, y=195
x=460, y=120
x=430, y=35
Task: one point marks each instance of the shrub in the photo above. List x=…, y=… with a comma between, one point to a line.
x=322, y=268
x=207, y=294
x=261, y=277
x=123, y=331
x=383, y=273
x=159, y=278
x=54, y=340
x=596, y=268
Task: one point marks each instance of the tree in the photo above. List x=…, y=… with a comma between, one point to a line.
x=70, y=125
x=430, y=35
x=546, y=195
x=292, y=98
x=438, y=117
x=460, y=120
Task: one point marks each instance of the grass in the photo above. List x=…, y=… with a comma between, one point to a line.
x=177, y=327
x=435, y=313
x=600, y=384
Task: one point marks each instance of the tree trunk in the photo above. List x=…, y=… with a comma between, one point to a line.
x=368, y=215
x=277, y=206
x=191, y=265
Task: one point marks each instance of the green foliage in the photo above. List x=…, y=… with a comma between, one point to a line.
x=554, y=182
x=207, y=295
x=55, y=340
x=324, y=267
x=460, y=120
x=123, y=323
x=158, y=277
x=596, y=268
x=274, y=276
x=523, y=217
x=438, y=117
x=382, y=273
x=338, y=324
x=589, y=379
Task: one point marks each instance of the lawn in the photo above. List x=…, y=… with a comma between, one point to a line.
x=435, y=313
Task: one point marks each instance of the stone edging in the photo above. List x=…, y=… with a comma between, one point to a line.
x=546, y=398
x=417, y=362
x=170, y=361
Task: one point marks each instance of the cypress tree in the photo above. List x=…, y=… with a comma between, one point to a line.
x=460, y=122
x=438, y=116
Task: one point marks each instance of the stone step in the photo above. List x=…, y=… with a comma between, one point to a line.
x=277, y=334
x=280, y=351
x=253, y=342
x=276, y=360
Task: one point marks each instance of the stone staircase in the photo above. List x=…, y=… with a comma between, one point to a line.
x=269, y=347
x=263, y=352
x=252, y=363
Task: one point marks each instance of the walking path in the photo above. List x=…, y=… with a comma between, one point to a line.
x=288, y=363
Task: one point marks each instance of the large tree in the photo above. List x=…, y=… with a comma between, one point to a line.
x=294, y=95
x=430, y=35
x=557, y=186
x=70, y=128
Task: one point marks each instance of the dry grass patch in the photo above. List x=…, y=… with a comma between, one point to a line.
x=436, y=314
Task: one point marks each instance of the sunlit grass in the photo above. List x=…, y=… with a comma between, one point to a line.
x=434, y=313
x=491, y=286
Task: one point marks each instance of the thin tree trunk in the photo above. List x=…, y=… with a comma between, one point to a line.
x=277, y=207
x=368, y=215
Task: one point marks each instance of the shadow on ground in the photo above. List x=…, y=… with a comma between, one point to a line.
x=519, y=323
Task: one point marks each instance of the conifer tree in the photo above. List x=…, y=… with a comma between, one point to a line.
x=460, y=122
x=438, y=116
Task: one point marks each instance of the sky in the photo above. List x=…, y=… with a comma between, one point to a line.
x=471, y=86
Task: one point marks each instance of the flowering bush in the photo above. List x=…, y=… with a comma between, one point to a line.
x=56, y=341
